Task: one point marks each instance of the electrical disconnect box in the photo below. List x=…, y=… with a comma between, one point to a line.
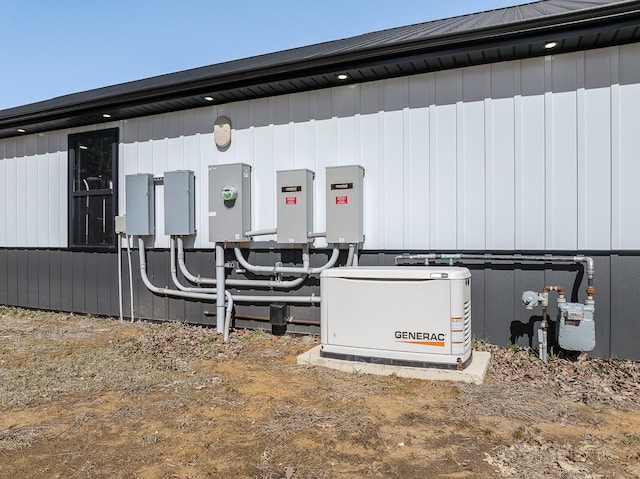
x=576, y=329
x=295, y=205
x=345, y=204
x=179, y=203
x=140, y=204
x=229, y=202
x=425, y=321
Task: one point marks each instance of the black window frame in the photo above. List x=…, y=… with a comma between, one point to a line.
x=114, y=133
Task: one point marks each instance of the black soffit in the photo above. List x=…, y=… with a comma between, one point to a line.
x=498, y=35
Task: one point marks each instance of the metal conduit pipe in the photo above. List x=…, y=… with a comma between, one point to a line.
x=244, y=283
x=120, y=302
x=130, y=278
x=285, y=269
x=453, y=258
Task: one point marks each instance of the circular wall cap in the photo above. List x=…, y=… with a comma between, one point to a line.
x=222, y=132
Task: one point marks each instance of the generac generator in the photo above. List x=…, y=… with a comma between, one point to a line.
x=417, y=316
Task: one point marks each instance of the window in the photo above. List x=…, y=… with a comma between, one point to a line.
x=93, y=160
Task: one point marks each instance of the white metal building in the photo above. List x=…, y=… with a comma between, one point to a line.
x=476, y=133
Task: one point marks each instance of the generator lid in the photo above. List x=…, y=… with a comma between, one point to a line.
x=398, y=272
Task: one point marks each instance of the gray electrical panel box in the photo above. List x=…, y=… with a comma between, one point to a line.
x=229, y=202
x=140, y=204
x=179, y=203
x=345, y=204
x=295, y=205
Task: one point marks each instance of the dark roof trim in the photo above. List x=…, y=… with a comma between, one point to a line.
x=498, y=35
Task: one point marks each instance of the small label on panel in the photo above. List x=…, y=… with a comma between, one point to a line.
x=212, y=213
x=342, y=200
x=290, y=200
x=291, y=189
x=342, y=186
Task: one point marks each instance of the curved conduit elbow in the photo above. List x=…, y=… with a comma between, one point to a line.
x=285, y=269
x=243, y=283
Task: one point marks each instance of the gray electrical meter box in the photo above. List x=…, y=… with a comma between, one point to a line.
x=140, y=204
x=229, y=202
x=295, y=205
x=345, y=204
x=575, y=328
x=179, y=203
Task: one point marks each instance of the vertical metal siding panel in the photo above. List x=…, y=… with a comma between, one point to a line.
x=594, y=187
x=78, y=282
x=303, y=133
x=471, y=180
x=205, y=118
x=33, y=278
x=344, y=105
x=242, y=143
x=42, y=214
x=175, y=141
x=4, y=182
x=11, y=198
x=500, y=303
x=61, y=191
x=128, y=159
x=23, y=277
x=502, y=159
x=283, y=151
x=23, y=203
x=444, y=169
x=4, y=276
x=66, y=280
x=395, y=214
x=530, y=180
x=160, y=161
x=562, y=174
x=371, y=159
x=106, y=282
x=418, y=183
x=55, y=280
x=43, y=279
x=57, y=193
x=143, y=298
x=191, y=161
x=263, y=171
x=91, y=274
x=160, y=270
x=12, y=277
x=627, y=212
x=625, y=329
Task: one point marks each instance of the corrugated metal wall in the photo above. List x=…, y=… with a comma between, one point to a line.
x=538, y=154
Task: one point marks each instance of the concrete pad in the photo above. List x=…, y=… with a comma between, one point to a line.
x=474, y=373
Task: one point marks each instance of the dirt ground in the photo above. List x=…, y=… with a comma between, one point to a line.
x=84, y=397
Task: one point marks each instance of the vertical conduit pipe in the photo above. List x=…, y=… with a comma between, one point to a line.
x=130, y=277
x=120, y=302
x=220, y=277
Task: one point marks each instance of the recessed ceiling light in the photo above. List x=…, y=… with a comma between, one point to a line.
x=106, y=115
x=208, y=98
x=342, y=76
x=83, y=147
x=549, y=45
x=21, y=130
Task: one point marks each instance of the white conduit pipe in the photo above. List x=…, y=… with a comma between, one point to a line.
x=120, y=302
x=285, y=269
x=174, y=273
x=212, y=297
x=251, y=234
x=227, y=318
x=244, y=283
x=220, y=277
x=130, y=278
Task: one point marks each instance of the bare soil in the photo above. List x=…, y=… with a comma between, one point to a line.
x=85, y=397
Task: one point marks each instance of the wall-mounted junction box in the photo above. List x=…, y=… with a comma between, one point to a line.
x=425, y=318
x=229, y=202
x=140, y=204
x=345, y=204
x=179, y=203
x=295, y=205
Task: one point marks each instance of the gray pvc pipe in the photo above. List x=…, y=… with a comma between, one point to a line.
x=285, y=269
x=220, y=277
x=243, y=283
x=174, y=275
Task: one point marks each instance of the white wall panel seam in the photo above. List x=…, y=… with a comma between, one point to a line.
x=581, y=178
x=616, y=138
x=488, y=138
x=460, y=233
x=548, y=142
